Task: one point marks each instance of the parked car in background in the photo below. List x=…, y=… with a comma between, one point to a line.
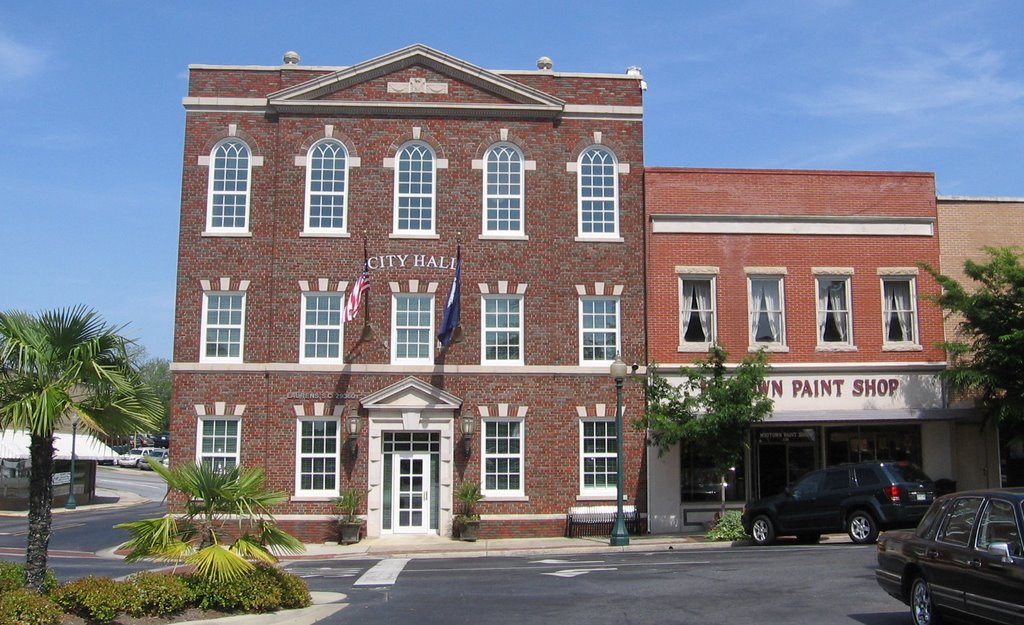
x=964, y=559
x=133, y=456
x=859, y=499
x=117, y=449
x=160, y=455
x=163, y=439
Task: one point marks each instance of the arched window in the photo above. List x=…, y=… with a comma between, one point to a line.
x=326, y=187
x=598, y=193
x=503, y=190
x=228, y=203
x=415, y=170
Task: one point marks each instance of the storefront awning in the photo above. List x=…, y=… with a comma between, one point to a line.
x=14, y=445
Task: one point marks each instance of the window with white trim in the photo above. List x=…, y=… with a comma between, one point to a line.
x=502, y=330
x=326, y=188
x=598, y=193
x=835, y=323
x=503, y=190
x=219, y=441
x=697, y=321
x=767, y=311
x=899, y=311
x=412, y=323
x=415, y=172
x=322, y=327
x=228, y=200
x=599, y=330
x=503, y=457
x=223, y=326
x=317, y=451
x=598, y=457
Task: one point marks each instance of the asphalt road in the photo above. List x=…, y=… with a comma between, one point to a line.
x=787, y=585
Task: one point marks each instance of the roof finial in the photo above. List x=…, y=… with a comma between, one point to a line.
x=544, y=63
x=291, y=57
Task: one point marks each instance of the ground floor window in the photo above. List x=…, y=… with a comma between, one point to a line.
x=317, y=451
x=700, y=481
x=218, y=442
x=864, y=443
x=598, y=460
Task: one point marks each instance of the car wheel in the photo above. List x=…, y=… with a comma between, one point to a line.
x=809, y=538
x=922, y=610
x=762, y=531
x=861, y=527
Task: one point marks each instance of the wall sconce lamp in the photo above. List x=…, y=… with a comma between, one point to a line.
x=467, y=424
x=354, y=425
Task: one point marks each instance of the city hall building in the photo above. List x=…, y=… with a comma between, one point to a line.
x=821, y=270
x=335, y=221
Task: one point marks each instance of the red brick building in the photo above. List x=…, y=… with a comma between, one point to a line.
x=293, y=175
x=820, y=269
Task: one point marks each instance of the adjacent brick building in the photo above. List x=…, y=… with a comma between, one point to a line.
x=295, y=177
x=820, y=269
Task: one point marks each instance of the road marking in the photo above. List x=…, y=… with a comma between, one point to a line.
x=324, y=571
x=575, y=572
x=552, y=561
x=384, y=573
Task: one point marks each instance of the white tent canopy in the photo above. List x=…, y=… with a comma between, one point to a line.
x=14, y=445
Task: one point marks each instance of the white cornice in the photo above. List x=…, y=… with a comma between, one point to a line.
x=829, y=367
x=386, y=369
x=978, y=198
x=793, y=224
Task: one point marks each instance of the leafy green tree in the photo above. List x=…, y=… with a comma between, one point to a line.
x=156, y=373
x=986, y=357
x=55, y=367
x=225, y=526
x=712, y=409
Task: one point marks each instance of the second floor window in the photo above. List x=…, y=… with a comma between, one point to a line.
x=503, y=330
x=413, y=329
x=697, y=310
x=899, y=314
x=414, y=190
x=326, y=187
x=503, y=191
x=834, y=322
x=598, y=189
x=767, y=320
x=599, y=330
x=228, y=202
x=223, y=327
x=322, y=326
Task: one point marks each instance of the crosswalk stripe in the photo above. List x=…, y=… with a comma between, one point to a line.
x=384, y=573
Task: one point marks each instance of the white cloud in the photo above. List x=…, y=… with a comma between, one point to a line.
x=18, y=60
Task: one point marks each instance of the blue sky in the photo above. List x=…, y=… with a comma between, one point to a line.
x=90, y=98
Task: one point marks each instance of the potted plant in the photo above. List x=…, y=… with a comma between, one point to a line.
x=350, y=525
x=467, y=522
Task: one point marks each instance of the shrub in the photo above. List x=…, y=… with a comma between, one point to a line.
x=729, y=527
x=100, y=599
x=12, y=576
x=155, y=594
x=22, y=606
x=294, y=591
x=256, y=591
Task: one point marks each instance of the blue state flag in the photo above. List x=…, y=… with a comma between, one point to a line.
x=450, y=320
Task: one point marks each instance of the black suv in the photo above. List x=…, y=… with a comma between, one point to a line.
x=858, y=498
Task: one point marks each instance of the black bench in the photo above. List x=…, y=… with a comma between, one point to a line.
x=599, y=520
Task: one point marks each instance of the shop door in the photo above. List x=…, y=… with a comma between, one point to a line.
x=411, y=493
x=781, y=464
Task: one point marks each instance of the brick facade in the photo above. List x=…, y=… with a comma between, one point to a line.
x=551, y=118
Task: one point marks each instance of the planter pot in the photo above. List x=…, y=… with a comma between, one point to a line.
x=350, y=532
x=469, y=530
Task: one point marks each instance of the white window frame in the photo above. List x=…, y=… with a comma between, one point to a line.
x=207, y=326
x=340, y=155
x=305, y=326
x=821, y=318
x=517, y=197
x=218, y=456
x=487, y=330
x=314, y=455
x=486, y=455
x=685, y=311
x=431, y=339
x=754, y=312
x=584, y=172
x=400, y=158
x=596, y=491
x=212, y=193
x=915, y=341
x=583, y=332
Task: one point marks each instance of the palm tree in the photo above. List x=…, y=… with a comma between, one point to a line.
x=225, y=525
x=54, y=367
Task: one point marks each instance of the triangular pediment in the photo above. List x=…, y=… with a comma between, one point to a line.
x=411, y=394
x=416, y=79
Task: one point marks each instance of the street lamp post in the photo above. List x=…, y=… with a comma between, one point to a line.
x=70, y=504
x=620, y=536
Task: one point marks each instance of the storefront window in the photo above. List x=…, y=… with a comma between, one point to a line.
x=864, y=443
x=701, y=482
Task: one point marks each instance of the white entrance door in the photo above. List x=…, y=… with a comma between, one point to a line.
x=412, y=494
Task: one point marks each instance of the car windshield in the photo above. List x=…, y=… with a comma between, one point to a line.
x=907, y=472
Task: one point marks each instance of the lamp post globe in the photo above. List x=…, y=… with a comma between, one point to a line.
x=620, y=536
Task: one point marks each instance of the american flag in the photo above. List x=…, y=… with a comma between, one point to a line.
x=355, y=298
